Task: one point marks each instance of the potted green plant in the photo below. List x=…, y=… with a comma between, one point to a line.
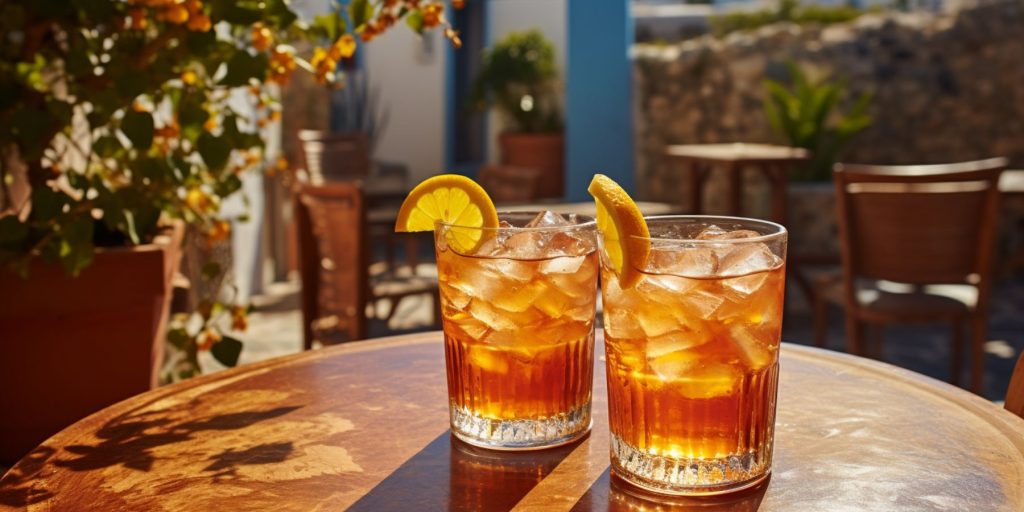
x=519, y=78
x=814, y=113
x=115, y=132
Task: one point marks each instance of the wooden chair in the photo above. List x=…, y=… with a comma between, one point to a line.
x=510, y=184
x=1015, y=394
x=327, y=156
x=337, y=284
x=916, y=245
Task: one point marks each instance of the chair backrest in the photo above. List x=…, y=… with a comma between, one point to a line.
x=334, y=156
x=918, y=224
x=337, y=217
x=510, y=184
x=1015, y=393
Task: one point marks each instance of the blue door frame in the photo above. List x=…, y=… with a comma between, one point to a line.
x=454, y=106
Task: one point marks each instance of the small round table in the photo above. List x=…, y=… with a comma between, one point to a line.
x=364, y=425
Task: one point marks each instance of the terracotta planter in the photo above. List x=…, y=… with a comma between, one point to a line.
x=70, y=346
x=542, y=151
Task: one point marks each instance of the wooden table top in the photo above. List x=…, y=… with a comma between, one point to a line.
x=364, y=425
x=737, y=152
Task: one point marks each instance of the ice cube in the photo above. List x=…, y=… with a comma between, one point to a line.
x=714, y=232
x=491, y=316
x=747, y=259
x=547, y=218
x=473, y=328
x=745, y=285
x=684, y=260
x=622, y=324
x=516, y=270
x=673, y=365
x=567, y=244
x=480, y=282
x=675, y=341
x=658, y=321
x=487, y=359
x=523, y=245
x=709, y=233
x=454, y=297
x=553, y=302
x=708, y=380
x=562, y=265
x=519, y=297
x=756, y=353
x=577, y=283
x=702, y=302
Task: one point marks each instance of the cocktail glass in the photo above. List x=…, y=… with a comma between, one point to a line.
x=518, y=315
x=692, y=355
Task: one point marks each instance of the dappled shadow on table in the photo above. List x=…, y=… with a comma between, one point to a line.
x=131, y=440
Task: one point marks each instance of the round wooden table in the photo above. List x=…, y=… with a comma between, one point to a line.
x=364, y=426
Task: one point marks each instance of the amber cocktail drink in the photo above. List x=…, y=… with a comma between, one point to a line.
x=692, y=355
x=518, y=315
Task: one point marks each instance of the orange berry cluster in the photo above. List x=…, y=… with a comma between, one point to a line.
x=262, y=37
x=325, y=60
x=176, y=12
x=282, y=62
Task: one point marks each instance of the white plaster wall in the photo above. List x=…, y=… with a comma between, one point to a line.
x=550, y=16
x=409, y=72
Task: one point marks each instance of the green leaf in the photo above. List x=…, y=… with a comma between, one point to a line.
x=360, y=11
x=229, y=185
x=178, y=338
x=76, y=248
x=129, y=222
x=12, y=230
x=138, y=127
x=214, y=150
x=131, y=84
x=242, y=67
x=46, y=203
x=415, y=21
x=210, y=271
x=107, y=146
x=226, y=351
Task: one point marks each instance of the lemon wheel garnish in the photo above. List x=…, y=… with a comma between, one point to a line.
x=619, y=219
x=452, y=199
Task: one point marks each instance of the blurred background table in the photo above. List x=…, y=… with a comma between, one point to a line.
x=364, y=425
x=773, y=162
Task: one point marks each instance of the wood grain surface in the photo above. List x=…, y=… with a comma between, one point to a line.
x=364, y=426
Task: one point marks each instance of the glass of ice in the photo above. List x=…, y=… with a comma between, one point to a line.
x=692, y=355
x=518, y=315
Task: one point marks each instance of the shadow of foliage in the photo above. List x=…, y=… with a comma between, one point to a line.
x=225, y=463
x=129, y=441
x=18, y=489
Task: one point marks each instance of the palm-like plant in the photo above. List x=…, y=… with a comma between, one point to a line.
x=806, y=114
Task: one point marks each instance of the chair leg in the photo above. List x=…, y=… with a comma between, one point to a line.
x=957, y=353
x=876, y=337
x=820, y=320
x=854, y=335
x=979, y=331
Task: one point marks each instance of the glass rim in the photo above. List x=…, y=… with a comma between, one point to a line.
x=588, y=222
x=780, y=230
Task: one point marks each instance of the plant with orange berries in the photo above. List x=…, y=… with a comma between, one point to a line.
x=115, y=118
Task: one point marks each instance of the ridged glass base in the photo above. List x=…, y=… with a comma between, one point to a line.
x=689, y=476
x=520, y=434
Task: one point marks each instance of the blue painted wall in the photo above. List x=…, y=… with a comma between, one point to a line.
x=599, y=118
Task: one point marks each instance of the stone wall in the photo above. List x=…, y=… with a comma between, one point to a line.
x=946, y=87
